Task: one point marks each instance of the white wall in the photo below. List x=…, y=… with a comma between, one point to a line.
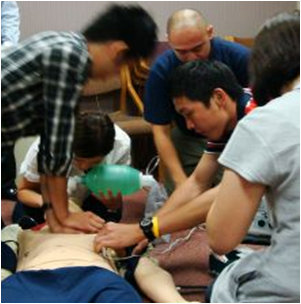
x=239, y=18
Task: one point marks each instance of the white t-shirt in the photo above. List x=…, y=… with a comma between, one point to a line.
x=265, y=149
x=120, y=155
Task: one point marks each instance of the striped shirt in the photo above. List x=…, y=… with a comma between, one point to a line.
x=244, y=106
x=41, y=82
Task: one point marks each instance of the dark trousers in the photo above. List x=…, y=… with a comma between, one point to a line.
x=208, y=292
x=8, y=175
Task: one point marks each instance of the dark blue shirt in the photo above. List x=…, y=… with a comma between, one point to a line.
x=244, y=106
x=158, y=106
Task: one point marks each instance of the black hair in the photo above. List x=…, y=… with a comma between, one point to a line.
x=131, y=24
x=275, y=58
x=198, y=79
x=94, y=135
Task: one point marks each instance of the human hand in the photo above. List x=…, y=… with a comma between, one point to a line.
x=110, y=201
x=55, y=226
x=86, y=222
x=139, y=249
x=118, y=236
x=76, y=222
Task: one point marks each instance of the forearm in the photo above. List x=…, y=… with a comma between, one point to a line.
x=186, y=192
x=156, y=283
x=124, y=235
x=187, y=216
x=191, y=214
x=30, y=198
x=168, y=155
x=193, y=188
x=54, y=191
x=58, y=217
x=234, y=207
x=171, y=161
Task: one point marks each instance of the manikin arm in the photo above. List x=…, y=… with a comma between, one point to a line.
x=156, y=283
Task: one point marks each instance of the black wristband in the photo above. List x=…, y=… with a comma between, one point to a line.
x=9, y=193
x=47, y=206
x=146, y=226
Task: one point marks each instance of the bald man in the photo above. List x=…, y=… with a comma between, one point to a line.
x=191, y=37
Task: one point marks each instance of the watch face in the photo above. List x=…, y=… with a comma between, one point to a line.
x=146, y=225
x=146, y=222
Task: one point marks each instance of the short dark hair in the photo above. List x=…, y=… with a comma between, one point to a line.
x=131, y=24
x=198, y=79
x=94, y=135
x=275, y=58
